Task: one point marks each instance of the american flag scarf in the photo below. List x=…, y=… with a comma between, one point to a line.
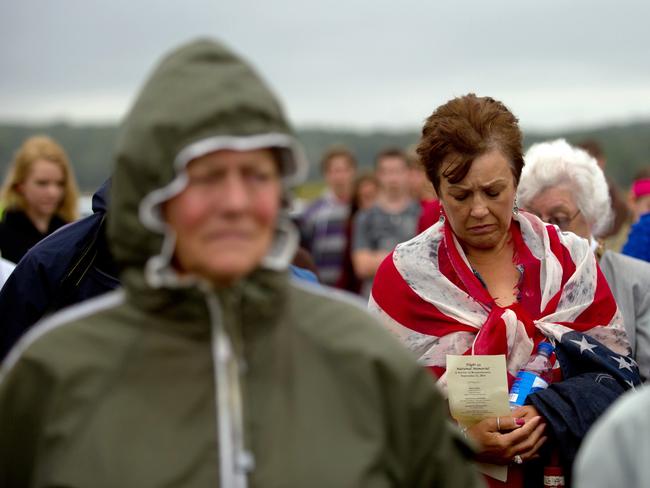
x=427, y=294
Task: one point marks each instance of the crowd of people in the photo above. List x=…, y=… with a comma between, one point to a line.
x=360, y=219
x=190, y=332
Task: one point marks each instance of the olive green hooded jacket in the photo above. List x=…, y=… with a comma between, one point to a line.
x=172, y=382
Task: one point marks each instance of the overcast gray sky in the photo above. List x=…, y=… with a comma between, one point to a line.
x=352, y=63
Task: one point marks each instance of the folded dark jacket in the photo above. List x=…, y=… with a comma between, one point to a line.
x=594, y=377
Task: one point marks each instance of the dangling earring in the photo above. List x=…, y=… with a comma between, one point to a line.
x=515, y=208
x=442, y=217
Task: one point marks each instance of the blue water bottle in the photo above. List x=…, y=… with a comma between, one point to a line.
x=535, y=376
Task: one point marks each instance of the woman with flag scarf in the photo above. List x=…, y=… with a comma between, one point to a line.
x=488, y=279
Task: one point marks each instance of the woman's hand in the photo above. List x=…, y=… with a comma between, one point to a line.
x=525, y=412
x=502, y=439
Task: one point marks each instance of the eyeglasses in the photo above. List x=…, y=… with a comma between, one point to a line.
x=562, y=222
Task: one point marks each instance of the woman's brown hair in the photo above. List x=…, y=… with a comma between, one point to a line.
x=463, y=129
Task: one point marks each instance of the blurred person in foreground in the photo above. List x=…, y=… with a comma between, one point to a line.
x=70, y=266
x=211, y=367
x=615, y=452
x=39, y=195
x=488, y=279
x=322, y=226
x=564, y=186
x=391, y=220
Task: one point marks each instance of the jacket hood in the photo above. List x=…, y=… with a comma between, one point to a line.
x=199, y=99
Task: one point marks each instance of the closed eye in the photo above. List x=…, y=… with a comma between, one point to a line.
x=208, y=178
x=260, y=176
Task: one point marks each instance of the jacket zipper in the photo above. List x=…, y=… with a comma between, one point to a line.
x=234, y=460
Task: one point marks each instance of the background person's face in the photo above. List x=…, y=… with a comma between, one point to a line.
x=479, y=207
x=43, y=188
x=340, y=176
x=225, y=218
x=393, y=175
x=367, y=194
x=556, y=205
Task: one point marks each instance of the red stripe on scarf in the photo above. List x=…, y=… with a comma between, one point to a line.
x=568, y=266
x=491, y=339
x=403, y=305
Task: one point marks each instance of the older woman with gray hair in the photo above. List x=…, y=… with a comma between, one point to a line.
x=564, y=186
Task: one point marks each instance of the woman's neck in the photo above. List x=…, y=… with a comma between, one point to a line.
x=41, y=222
x=497, y=271
x=478, y=257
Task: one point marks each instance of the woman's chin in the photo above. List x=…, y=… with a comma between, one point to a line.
x=229, y=272
x=47, y=211
x=482, y=242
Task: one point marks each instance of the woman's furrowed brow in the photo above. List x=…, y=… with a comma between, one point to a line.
x=483, y=185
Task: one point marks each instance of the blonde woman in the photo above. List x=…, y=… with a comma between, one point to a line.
x=39, y=195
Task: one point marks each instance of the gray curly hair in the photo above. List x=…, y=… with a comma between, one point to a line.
x=554, y=163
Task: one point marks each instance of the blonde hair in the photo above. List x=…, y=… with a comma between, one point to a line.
x=33, y=149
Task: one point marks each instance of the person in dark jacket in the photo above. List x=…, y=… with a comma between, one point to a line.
x=67, y=267
x=39, y=195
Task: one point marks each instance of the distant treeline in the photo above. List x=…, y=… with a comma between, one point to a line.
x=90, y=147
